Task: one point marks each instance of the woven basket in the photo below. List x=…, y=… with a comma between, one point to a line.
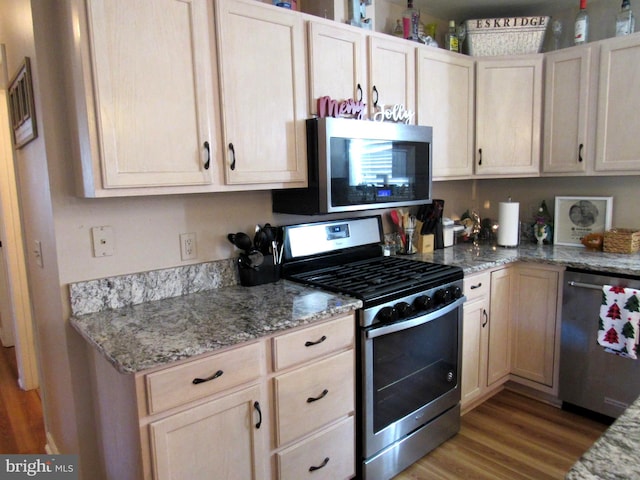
x=621, y=240
x=505, y=36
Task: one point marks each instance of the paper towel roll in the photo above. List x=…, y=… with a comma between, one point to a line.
x=508, y=221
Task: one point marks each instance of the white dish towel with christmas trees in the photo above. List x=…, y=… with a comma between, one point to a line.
x=620, y=321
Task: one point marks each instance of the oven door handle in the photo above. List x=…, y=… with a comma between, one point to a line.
x=414, y=322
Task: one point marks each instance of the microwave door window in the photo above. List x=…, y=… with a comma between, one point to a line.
x=365, y=171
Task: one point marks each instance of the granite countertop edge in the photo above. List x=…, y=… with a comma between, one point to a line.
x=613, y=455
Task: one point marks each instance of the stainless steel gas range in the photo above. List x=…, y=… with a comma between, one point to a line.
x=409, y=337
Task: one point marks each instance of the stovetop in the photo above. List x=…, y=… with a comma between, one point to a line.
x=380, y=279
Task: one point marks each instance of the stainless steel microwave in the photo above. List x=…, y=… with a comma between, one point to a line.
x=361, y=165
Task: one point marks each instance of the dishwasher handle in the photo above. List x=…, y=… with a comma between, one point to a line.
x=590, y=286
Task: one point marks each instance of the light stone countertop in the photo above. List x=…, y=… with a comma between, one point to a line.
x=473, y=259
x=614, y=456
x=152, y=334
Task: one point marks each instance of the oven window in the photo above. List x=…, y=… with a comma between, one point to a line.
x=413, y=367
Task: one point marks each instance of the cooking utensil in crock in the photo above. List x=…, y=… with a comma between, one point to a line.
x=242, y=241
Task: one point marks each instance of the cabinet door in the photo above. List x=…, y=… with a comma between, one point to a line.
x=153, y=111
x=392, y=74
x=569, y=122
x=618, y=142
x=220, y=439
x=534, y=323
x=445, y=102
x=474, y=349
x=508, y=116
x=336, y=63
x=263, y=85
x=499, y=359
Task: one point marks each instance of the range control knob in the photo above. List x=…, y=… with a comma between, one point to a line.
x=423, y=302
x=442, y=296
x=456, y=292
x=403, y=309
x=387, y=315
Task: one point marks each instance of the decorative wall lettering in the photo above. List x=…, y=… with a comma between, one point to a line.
x=328, y=107
x=395, y=113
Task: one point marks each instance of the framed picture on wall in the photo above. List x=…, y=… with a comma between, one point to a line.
x=21, y=106
x=576, y=217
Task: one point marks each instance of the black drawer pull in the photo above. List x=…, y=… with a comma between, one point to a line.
x=580, y=152
x=321, y=396
x=473, y=287
x=256, y=405
x=233, y=156
x=322, y=465
x=311, y=344
x=208, y=162
x=196, y=381
x=486, y=318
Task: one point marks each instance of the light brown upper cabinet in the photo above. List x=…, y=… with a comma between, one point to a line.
x=508, y=116
x=445, y=101
x=261, y=50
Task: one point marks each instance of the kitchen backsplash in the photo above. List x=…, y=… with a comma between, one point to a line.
x=125, y=290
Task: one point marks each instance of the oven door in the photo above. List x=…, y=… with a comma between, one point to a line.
x=410, y=374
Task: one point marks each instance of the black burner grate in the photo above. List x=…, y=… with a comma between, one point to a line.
x=379, y=277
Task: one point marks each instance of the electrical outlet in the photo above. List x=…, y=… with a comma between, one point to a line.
x=188, y=246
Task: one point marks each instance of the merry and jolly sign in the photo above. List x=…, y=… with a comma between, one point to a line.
x=351, y=108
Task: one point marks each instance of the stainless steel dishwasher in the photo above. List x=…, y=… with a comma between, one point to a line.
x=591, y=378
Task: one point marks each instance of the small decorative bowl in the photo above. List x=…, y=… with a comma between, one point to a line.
x=593, y=241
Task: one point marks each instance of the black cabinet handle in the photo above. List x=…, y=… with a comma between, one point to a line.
x=208, y=162
x=233, y=157
x=473, y=287
x=580, y=152
x=321, y=396
x=486, y=318
x=359, y=89
x=256, y=405
x=479, y=156
x=375, y=92
x=196, y=381
x=322, y=465
x=311, y=344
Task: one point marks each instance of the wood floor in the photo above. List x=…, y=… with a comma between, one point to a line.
x=21, y=424
x=510, y=437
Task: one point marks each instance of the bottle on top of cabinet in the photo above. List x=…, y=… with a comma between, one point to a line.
x=411, y=22
x=581, y=35
x=451, y=38
x=625, y=22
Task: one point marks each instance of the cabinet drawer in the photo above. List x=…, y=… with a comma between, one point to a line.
x=175, y=386
x=312, y=396
x=477, y=285
x=313, y=342
x=329, y=454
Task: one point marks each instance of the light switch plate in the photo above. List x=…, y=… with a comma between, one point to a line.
x=102, y=241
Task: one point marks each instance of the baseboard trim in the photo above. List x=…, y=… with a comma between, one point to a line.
x=51, y=447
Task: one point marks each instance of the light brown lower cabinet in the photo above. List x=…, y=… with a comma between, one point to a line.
x=222, y=438
x=535, y=325
x=511, y=330
x=281, y=407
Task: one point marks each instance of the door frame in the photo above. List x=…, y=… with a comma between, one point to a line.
x=13, y=248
